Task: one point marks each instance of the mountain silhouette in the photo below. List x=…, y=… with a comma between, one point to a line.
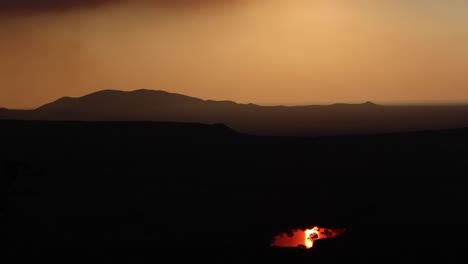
x=310, y=120
x=113, y=100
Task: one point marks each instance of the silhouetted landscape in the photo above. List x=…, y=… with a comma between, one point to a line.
x=313, y=120
x=285, y=131
x=137, y=192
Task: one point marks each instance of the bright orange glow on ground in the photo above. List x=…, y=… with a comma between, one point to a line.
x=306, y=237
x=310, y=235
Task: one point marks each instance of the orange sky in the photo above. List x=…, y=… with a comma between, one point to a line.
x=258, y=51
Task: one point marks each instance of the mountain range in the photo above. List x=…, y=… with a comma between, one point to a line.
x=309, y=120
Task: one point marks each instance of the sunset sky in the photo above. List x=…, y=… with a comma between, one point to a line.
x=249, y=51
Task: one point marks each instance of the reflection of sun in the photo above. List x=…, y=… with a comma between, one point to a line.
x=310, y=235
x=306, y=237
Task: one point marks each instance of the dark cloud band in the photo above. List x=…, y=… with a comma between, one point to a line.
x=49, y=4
x=61, y=5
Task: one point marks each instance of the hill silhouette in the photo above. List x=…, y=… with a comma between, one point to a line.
x=313, y=120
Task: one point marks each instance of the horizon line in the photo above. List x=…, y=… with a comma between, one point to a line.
x=352, y=102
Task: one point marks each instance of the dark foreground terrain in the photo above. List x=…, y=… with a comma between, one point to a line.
x=141, y=192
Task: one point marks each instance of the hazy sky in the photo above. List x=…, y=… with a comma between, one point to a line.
x=259, y=51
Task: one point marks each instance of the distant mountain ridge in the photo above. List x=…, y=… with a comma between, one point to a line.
x=123, y=97
x=309, y=120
